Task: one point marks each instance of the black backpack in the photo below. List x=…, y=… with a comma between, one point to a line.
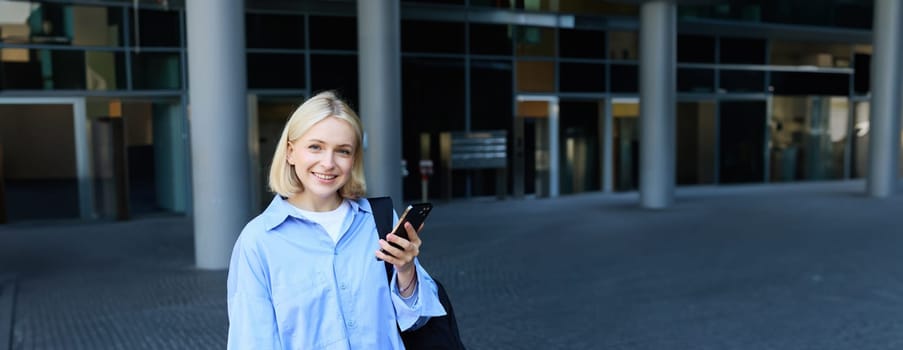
x=439, y=332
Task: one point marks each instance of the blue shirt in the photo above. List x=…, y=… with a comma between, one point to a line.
x=291, y=287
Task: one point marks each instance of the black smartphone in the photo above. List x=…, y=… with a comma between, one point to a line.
x=415, y=214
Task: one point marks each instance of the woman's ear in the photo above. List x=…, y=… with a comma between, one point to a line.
x=288, y=153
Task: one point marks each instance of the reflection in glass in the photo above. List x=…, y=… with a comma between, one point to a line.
x=156, y=71
x=534, y=41
x=535, y=76
x=808, y=135
x=579, y=134
x=626, y=144
x=58, y=24
x=47, y=169
x=795, y=53
x=41, y=69
x=623, y=46
x=695, y=143
x=860, y=144
x=433, y=97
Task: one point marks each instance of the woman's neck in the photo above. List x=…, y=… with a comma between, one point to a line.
x=318, y=204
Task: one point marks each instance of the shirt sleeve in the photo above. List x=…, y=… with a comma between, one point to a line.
x=252, y=319
x=414, y=312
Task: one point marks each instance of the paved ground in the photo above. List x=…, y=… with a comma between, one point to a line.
x=803, y=266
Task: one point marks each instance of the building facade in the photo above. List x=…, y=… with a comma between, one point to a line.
x=94, y=105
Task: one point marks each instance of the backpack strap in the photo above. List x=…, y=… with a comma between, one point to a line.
x=382, y=214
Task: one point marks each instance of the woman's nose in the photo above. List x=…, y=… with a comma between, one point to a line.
x=328, y=160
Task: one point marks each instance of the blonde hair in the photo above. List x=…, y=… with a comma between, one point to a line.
x=283, y=179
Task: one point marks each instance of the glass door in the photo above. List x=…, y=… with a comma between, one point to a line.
x=580, y=136
x=536, y=147
x=625, y=113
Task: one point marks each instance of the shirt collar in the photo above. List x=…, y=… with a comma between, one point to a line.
x=280, y=210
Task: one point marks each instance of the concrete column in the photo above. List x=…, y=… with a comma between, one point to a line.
x=379, y=64
x=884, y=126
x=218, y=126
x=657, y=97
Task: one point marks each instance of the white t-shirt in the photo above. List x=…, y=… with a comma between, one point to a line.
x=330, y=220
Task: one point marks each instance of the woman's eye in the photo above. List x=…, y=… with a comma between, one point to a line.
x=314, y=147
x=346, y=152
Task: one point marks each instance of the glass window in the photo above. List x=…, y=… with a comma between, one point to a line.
x=623, y=46
x=862, y=70
x=742, y=81
x=433, y=102
x=275, y=71
x=274, y=31
x=744, y=12
x=579, y=149
x=794, y=53
x=841, y=13
x=581, y=43
x=534, y=41
x=156, y=71
x=490, y=95
x=695, y=80
x=58, y=24
x=695, y=49
x=586, y=7
x=695, y=143
x=581, y=77
x=439, y=2
x=742, y=51
x=156, y=28
x=335, y=72
x=490, y=109
x=742, y=141
x=804, y=83
x=626, y=144
x=625, y=78
x=37, y=69
x=808, y=136
x=333, y=33
x=855, y=14
x=423, y=36
x=535, y=76
x=490, y=39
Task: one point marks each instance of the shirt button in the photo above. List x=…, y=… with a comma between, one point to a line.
x=350, y=324
x=343, y=286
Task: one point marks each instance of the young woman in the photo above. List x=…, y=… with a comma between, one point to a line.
x=303, y=273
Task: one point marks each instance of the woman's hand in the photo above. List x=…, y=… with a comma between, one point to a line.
x=402, y=259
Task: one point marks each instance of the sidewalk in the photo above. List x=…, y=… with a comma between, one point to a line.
x=814, y=266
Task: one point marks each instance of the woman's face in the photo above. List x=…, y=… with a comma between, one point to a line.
x=323, y=158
